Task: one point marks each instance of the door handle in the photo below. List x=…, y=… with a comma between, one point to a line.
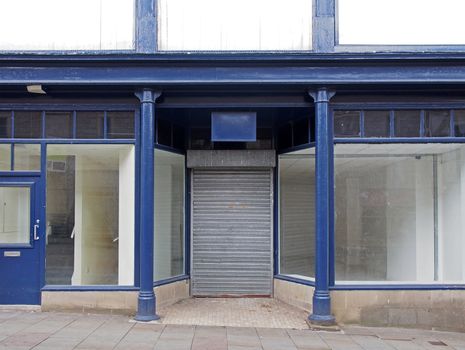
x=36, y=227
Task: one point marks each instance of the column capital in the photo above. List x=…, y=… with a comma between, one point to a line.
x=147, y=95
x=321, y=95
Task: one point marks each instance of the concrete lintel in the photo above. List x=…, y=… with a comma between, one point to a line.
x=231, y=158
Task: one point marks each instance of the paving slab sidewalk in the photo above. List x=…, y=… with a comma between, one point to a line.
x=24, y=330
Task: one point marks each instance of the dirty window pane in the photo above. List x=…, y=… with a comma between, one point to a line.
x=5, y=124
x=459, y=119
x=59, y=125
x=376, y=123
x=120, y=125
x=437, y=123
x=346, y=123
x=28, y=125
x=407, y=123
x=89, y=125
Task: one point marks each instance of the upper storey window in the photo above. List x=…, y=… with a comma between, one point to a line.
x=234, y=25
x=66, y=25
x=401, y=22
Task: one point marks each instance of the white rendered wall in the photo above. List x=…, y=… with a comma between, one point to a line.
x=401, y=22
x=235, y=25
x=67, y=24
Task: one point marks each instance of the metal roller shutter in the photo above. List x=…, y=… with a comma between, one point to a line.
x=232, y=232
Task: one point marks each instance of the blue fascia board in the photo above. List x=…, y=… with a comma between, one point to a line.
x=173, y=75
x=232, y=56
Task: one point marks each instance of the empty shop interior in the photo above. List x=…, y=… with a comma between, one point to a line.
x=232, y=216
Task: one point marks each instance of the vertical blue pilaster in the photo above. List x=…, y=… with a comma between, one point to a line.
x=146, y=26
x=324, y=26
x=146, y=307
x=323, y=175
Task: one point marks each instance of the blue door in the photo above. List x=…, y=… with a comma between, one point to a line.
x=20, y=234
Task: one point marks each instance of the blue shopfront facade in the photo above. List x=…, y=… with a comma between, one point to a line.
x=107, y=118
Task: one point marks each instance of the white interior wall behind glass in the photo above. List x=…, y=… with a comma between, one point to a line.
x=66, y=24
x=401, y=22
x=235, y=25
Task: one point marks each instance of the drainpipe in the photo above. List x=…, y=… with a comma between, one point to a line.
x=146, y=306
x=321, y=314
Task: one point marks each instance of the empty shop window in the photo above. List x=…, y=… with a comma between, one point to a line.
x=398, y=213
x=297, y=214
x=169, y=215
x=90, y=215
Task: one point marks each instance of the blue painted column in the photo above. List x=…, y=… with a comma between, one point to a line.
x=321, y=314
x=146, y=307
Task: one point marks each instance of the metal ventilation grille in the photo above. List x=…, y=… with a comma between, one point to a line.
x=232, y=231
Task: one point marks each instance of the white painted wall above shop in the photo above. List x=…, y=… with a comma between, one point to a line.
x=67, y=24
x=229, y=25
x=401, y=22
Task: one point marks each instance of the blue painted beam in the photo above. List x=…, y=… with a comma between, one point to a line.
x=146, y=307
x=321, y=313
x=146, y=26
x=216, y=74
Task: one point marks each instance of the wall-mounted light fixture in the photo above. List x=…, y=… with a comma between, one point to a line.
x=35, y=89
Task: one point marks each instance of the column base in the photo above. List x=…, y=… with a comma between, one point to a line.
x=320, y=320
x=321, y=314
x=146, y=307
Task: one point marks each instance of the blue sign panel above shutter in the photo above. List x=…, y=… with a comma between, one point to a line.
x=234, y=126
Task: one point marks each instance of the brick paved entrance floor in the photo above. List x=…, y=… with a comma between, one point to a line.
x=21, y=330
x=235, y=312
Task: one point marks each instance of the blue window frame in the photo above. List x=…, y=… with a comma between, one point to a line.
x=402, y=123
x=99, y=116
x=399, y=124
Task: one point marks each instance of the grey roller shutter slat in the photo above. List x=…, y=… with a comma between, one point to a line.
x=232, y=235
